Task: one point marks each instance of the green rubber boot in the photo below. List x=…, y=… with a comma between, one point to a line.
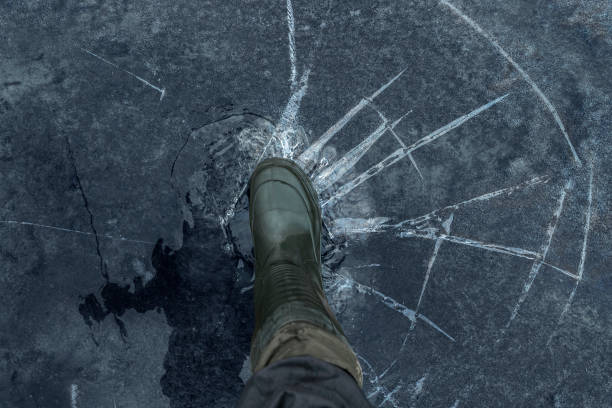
x=292, y=316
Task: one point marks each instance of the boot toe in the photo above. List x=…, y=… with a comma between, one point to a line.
x=283, y=208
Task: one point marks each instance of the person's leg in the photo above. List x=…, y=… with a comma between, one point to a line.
x=302, y=382
x=292, y=316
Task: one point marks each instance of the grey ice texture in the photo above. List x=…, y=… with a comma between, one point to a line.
x=460, y=149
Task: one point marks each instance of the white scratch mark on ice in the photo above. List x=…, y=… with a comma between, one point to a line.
x=520, y=70
x=374, y=265
x=483, y=197
x=289, y=136
x=374, y=380
x=375, y=108
x=286, y=132
x=387, y=369
x=437, y=245
x=455, y=404
x=292, y=138
x=587, y=227
x=215, y=145
x=377, y=390
x=291, y=35
x=399, y=140
x=309, y=156
x=144, y=81
x=403, y=152
x=343, y=226
x=224, y=150
x=433, y=234
x=74, y=395
x=32, y=224
x=390, y=395
x=289, y=115
x=535, y=267
x=418, y=389
x=333, y=173
x=392, y=304
x=346, y=226
x=372, y=105
x=427, y=274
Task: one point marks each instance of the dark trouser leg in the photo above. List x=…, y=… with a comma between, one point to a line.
x=302, y=382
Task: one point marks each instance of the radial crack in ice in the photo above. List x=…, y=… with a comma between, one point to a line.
x=387, y=369
x=403, y=145
x=535, y=267
x=372, y=265
x=374, y=380
x=520, y=70
x=224, y=150
x=286, y=132
x=32, y=224
x=391, y=303
x=310, y=155
x=403, y=152
x=333, y=173
x=372, y=105
x=390, y=395
x=348, y=226
x=483, y=197
x=344, y=226
x=434, y=234
x=291, y=35
x=144, y=81
x=437, y=245
x=418, y=389
x=587, y=227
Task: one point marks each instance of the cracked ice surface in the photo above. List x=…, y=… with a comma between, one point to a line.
x=459, y=150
